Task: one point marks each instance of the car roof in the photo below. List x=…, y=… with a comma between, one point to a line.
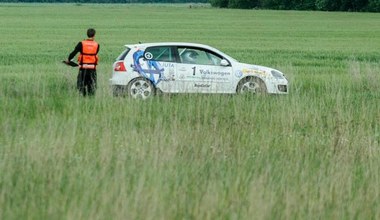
x=145, y=45
x=168, y=44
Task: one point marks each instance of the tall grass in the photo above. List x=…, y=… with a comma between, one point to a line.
x=312, y=154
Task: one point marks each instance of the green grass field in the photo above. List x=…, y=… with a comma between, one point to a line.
x=313, y=154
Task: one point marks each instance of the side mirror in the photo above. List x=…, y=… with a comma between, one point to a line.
x=224, y=63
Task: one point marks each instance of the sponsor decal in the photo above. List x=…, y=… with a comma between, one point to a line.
x=149, y=69
x=166, y=64
x=238, y=73
x=170, y=71
x=210, y=78
x=214, y=73
x=193, y=77
x=199, y=85
x=148, y=55
x=168, y=78
x=207, y=78
x=254, y=71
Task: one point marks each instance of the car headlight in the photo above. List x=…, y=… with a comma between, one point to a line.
x=276, y=74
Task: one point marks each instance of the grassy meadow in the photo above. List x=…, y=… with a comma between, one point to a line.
x=312, y=154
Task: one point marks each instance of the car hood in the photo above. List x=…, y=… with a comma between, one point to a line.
x=255, y=67
x=257, y=70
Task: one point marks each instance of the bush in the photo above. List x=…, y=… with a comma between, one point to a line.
x=373, y=6
x=219, y=3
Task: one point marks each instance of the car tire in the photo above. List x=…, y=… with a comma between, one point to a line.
x=141, y=88
x=251, y=85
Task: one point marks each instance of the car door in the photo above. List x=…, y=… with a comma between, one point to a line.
x=161, y=63
x=200, y=70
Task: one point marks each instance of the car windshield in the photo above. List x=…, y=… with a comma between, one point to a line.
x=226, y=56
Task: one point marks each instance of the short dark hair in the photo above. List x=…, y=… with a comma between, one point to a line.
x=91, y=32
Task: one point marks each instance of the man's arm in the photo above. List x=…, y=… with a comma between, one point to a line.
x=77, y=49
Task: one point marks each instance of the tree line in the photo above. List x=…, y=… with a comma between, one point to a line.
x=320, y=5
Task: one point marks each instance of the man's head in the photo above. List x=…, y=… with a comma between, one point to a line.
x=190, y=56
x=91, y=32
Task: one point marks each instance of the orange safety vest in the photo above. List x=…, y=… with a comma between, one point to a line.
x=88, y=58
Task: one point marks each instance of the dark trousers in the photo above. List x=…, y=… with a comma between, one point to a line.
x=86, y=83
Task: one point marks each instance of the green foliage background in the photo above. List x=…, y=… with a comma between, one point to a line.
x=312, y=154
x=320, y=5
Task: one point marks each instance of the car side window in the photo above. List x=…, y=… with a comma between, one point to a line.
x=216, y=60
x=197, y=56
x=160, y=53
x=123, y=54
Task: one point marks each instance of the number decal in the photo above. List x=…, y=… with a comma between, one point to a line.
x=193, y=70
x=148, y=55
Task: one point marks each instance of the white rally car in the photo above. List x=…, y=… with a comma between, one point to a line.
x=143, y=69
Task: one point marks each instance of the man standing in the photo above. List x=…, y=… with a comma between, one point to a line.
x=87, y=60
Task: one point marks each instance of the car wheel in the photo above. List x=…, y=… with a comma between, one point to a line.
x=251, y=85
x=141, y=88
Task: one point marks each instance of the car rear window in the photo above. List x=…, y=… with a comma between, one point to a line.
x=123, y=54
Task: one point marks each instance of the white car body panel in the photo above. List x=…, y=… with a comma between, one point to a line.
x=178, y=77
